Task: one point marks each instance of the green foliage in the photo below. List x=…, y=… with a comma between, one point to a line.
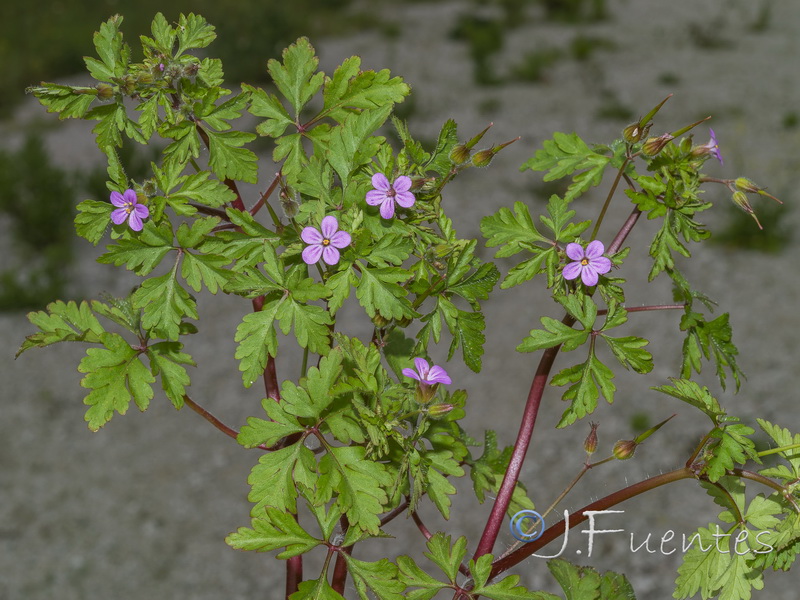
x=355, y=441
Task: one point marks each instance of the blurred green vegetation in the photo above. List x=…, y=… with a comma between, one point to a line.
x=47, y=39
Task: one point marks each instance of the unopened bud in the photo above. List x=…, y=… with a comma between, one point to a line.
x=590, y=443
x=190, y=70
x=654, y=145
x=104, y=91
x=144, y=78
x=289, y=206
x=149, y=188
x=404, y=322
x=438, y=410
x=745, y=185
x=633, y=133
x=484, y=157
x=459, y=154
x=129, y=85
x=624, y=449
x=740, y=200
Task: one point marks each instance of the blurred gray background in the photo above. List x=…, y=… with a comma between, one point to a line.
x=141, y=508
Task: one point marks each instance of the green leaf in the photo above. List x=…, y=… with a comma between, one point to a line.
x=381, y=578
x=297, y=78
x=702, y=566
x=63, y=322
x=413, y=576
x=351, y=144
x=114, y=54
x=274, y=478
x=193, y=32
x=93, y=219
x=279, y=529
x=564, y=155
x=140, y=254
x=360, y=484
x=729, y=446
x=165, y=303
x=268, y=432
x=379, y=293
x=554, y=334
x=589, y=380
x=268, y=106
x=515, y=231
x=351, y=88
x=314, y=394
x=311, y=324
x=439, y=162
x=315, y=589
x=578, y=583
x=68, y=101
x=115, y=374
x=257, y=340
x=467, y=331
x=205, y=269
x=709, y=339
x=629, y=352
x=693, y=394
x=166, y=359
x=559, y=219
x=445, y=555
x=228, y=159
x=477, y=285
x=391, y=249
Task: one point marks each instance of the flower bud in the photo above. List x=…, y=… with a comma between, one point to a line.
x=654, y=145
x=632, y=133
x=745, y=185
x=289, y=206
x=438, y=410
x=404, y=322
x=590, y=443
x=144, y=78
x=459, y=154
x=624, y=449
x=190, y=70
x=129, y=85
x=149, y=188
x=104, y=91
x=483, y=158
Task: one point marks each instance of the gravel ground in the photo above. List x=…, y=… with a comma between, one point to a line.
x=141, y=508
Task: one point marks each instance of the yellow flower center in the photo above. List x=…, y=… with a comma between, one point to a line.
x=326, y=242
x=584, y=261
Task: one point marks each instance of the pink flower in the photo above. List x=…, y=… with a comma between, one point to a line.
x=426, y=374
x=589, y=264
x=323, y=243
x=128, y=208
x=387, y=194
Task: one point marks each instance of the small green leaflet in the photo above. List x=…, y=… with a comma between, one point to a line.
x=193, y=32
x=166, y=359
x=228, y=159
x=279, y=529
x=165, y=304
x=586, y=583
x=68, y=101
x=693, y=394
x=381, y=578
x=515, y=231
x=379, y=293
x=565, y=154
x=114, y=374
x=114, y=54
x=297, y=79
x=729, y=446
x=63, y=322
x=276, y=475
x=709, y=339
x=507, y=588
x=589, y=380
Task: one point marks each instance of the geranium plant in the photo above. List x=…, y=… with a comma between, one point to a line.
x=370, y=428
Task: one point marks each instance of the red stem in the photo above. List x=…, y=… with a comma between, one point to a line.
x=579, y=516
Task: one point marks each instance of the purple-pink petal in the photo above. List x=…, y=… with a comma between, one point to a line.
x=329, y=254
x=329, y=226
x=375, y=197
x=402, y=183
x=438, y=375
x=118, y=216
x=117, y=200
x=311, y=254
x=405, y=199
x=594, y=249
x=135, y=222
x=422, y=366
x=387, y=208
x=575, y=251
x=572, y=270
x=410, y=373
x=310, y=235
x=601, y=264
x=589, y=275
x=379, y=182
x=340, y=239
x=141, y=211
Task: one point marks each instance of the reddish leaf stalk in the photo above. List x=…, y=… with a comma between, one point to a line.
x=579, y=516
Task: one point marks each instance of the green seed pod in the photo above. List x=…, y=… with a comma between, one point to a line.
x=624, y=449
